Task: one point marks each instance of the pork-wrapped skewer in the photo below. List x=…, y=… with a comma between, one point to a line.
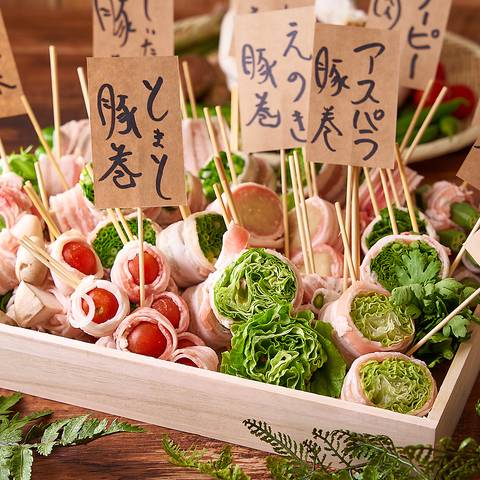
x=175, y=309
x=198, y=357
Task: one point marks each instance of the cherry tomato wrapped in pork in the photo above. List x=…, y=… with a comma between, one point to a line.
x=98, y=307
x=147, y=332
x=74, y=252
x=198, y=357
x=126, y=271
x=175, y=309
x=188, y=339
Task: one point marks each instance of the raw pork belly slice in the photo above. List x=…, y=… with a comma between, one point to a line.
x=71, y=167
x=199, y=357
x=76, y=139
x=328, y=261
x=188, y=339
x=84, y=321
x=13, y=201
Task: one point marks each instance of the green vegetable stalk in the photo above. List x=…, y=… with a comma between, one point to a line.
x=86, y=183
x=449, y=125
x=395, y=384
x=278, y=348
x=23, y=164
x=380, y=320
x=255, y=282
x=464, y=215
x=210, y=230
x=453, y=239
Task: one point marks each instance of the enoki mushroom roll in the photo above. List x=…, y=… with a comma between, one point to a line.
x=365, y=320
x=147, y=332
x=174, y=308
x=97, y=307
x=126, y=271
x=399, y=260
x=198, y=357
x=391, y=381
x=74, y=252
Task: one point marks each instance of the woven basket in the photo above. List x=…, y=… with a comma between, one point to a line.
x=461, y=58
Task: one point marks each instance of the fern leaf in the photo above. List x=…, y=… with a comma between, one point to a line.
x=50, y=436
x=21, y=463
x=7, y=402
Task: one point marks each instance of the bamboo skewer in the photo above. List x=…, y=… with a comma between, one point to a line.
x=234, y=119
x=221, y=171
x=141, y=257
x=462, y=251
x=190, y=92
x=348, y=222
x=226, y=145
x=416, y=115
x=406, y=191
x=286, y=227
x=185, y=211
x=308, y=176
x=444, y=322
x=126, y=227
x=183, y=105
x=218, y=194
x=425, y=125
x=83, y=86
x=42, y=140
x=391, y=212
x=371, y=191
x=57, y=119
x=116, y=224
x=3, y=155
x=301, y=229
x=355, y=235
x=346, y=245
x=313, y=174
x=43, y=193
x=303, y=209
x=45, y=214
x=393, y=188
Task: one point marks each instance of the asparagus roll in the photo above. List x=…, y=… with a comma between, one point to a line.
x=399, y=260
x=197, y=357
x=74, y=252
x=126, y=271
x=147, y=332
x=175, y=309
x=391, y=381
x=381, y=227
x=366, y=321
x=98, y=307
x=256, y=281
x=193, y=246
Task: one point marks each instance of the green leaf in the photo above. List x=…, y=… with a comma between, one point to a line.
x=7, y=402
x=21, y=463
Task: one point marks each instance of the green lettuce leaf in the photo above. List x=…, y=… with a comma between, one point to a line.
x=400, y=263
x=396, y=384
x=277, y=348
x=210, y=230
x=86, y=183
x=255, y=282
x=380, y=320
x=23, y=164
x=383, y=226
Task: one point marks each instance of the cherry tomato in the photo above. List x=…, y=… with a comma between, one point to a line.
x=185, y=343
x=187, y=361
x=463, y=91
x=417, y=94
x=151, y=269
x=167, y=307
x=441, y=76
x=81, y=257
x=106, y=305
x=147, y=339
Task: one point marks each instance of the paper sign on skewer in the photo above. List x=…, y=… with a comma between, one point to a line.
x=136, y=132
x=138, y=28
x=470, y=169
x=422, y=25
x=274, y=70
x=472, y=246
x=10, y=86
x=353, y=96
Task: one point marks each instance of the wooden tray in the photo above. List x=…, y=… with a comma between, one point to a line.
x=210, y=403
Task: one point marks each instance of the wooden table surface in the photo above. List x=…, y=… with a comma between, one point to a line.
x=33, y=25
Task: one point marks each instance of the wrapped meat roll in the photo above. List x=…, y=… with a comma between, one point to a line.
x=74, y=252
x=147, y=332
x=126, y=272
x=174, y=308
x=328, y=261
x=315, y=282
x=71, y=166
x=398, y=260
x=188, y=339
x=76, y=139
x=198, y=357
x=257, y=280
x=203, y=321
x=107, y=342
x=364, y=320
x=323, y=225
x=98, y=307
x=260, y=211
x=13, y=201
x=391, y=381
x=193, y=246
x=381, y=227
